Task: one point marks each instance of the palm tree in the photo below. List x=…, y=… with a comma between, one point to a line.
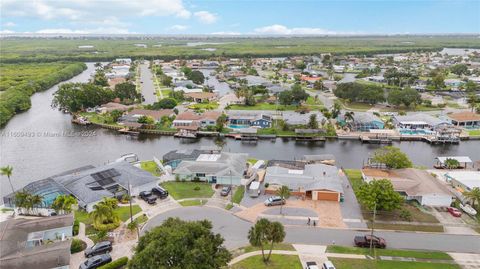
x=349, y=116
x=7, y=171
x=265, y=232
x=472, y=101
x=103, y=212
x=64, y=203
x=473, y=195
x=21, y=199
x=34, y=201
x=284, y=193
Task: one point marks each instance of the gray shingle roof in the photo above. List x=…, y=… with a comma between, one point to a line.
x=234, y=162
x=311, y=178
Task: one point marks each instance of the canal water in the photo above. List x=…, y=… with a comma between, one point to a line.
x=42, y=142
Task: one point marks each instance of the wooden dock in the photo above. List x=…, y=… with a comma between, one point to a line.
x=375, y=140
x=127, y=131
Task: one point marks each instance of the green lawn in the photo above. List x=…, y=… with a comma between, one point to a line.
x=141, y=219
x=238, y=194
x=355, y=178
x=276, y=262
x=341, y=263
x=123, y=212
x=312, y=102
x=474, y=132
x=205, y=106
x=182, y=190
x=192, y=202
x=280, y=246
x=151, y=167
x=252, y=161
x=391, y=252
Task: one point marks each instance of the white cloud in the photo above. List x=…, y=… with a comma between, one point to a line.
x=100, y=30
x=178, y=27
x=9, y=24
x=206, y=17
x=278, y=29
x=226, y=33
x=6, y=31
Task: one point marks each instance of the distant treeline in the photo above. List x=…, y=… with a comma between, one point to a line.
x=20, y=81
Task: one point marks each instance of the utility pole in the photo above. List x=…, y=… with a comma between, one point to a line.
x=373, y=227
x=131, y=211
x=231, y=187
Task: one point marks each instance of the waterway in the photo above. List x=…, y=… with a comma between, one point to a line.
x=42, y=142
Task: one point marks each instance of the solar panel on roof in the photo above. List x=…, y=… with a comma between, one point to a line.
x=105, y=177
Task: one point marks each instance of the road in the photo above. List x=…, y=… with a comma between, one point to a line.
x=146, y=79
x=235, y=231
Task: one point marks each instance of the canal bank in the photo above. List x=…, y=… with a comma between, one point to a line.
x=42, y=142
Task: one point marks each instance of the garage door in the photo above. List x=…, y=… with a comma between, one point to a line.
x=328, y=196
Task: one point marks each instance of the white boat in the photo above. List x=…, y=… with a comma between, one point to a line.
x=468, y=209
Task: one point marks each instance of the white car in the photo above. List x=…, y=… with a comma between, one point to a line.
x=311, y=265
x=468, y=209
x=328, y=265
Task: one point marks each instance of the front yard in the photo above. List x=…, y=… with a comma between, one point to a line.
x=183, y=190
x=414, y=211
x=276, y=262
x=123, y=213
x=151, y=167
x=342, y=263
x=436, y=255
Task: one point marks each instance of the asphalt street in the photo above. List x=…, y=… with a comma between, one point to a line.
x=146, y=79
x=235, y=231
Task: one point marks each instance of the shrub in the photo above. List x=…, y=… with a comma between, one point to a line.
x=118, y=263
x=266, y=185
x=77, y=245
x=405, y=215
x=177, y=177
x=76, y=227
x=197, y=188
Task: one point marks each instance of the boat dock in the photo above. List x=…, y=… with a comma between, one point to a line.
x=376, y=139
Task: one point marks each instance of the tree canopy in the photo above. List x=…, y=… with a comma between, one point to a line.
x=264, y=234
x=179, y=244
x=127, y=90
x=165, y=103
x=392, y=157
x=357, y=92
x=379, y=193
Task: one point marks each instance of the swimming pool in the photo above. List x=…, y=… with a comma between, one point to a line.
x=415, y=132
x=235, y=126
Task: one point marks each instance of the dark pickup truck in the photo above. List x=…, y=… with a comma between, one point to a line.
x=364, y=241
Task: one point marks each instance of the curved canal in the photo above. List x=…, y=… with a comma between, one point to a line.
x=42, y=142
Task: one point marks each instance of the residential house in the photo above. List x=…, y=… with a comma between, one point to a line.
x=419, y=121
x=111, y=106
x=312, y=181
x=114, y=81
x=36, y=243
x=362, y=122
x=232, y=99
x=175, y=157
x=89, y=184
x=463, y=180
x=250, y=119
x=190, y=120
x=465, y=119
x=222, y=168
x=135, y=114
x=413, y=184
x=200, y=97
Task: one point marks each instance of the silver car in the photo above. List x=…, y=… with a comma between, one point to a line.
x=274, y=200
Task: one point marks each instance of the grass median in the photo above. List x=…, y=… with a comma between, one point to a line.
x=434, y=255
x=276, y=262
x=341, y=263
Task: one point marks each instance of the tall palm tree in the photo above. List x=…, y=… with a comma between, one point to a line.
x=101, y=213
x=284, y=193
x=7, y=171
x=349, y=116
x=265, y=233
x=473, y=195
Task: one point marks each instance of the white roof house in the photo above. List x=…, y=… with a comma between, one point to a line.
x=466, y=180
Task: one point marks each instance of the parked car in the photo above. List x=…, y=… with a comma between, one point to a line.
x=226, y=190
x=468, y=209
x=311, y=265
x=364, y=241
x=274, y=200
x=454, y=212
x=99, y=248
x=96, y=261
x=160, y=192
x=148, y=197
x=328, y=265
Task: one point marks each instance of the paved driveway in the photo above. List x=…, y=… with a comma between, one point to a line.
x=235, y=231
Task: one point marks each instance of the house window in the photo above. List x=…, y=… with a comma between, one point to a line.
x=200, y=175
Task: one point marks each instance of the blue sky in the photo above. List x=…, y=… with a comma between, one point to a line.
x=284, y=17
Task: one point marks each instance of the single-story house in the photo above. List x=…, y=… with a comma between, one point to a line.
x=193, y=121
x=174, y=157
x=135, y=114
x=362, y=122
x=250, y=119
x=89, y=185
x=313, y=181
x=464, y=180
x=36, y=243
x=114, y=81
x=200, y=97
x=232, y=99
x=294, y=118
x=413, y=184
x=419, y=121
x=465, y=119
x=111, y=106
x=221, y=168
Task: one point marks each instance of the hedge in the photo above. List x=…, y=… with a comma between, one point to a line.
x=76, y=227
x=77, y=245
x=118, y=263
